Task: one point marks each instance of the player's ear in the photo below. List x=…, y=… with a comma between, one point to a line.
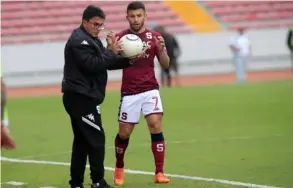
x=83, y=22
x=145, y=17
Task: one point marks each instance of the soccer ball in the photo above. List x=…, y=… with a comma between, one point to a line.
x=131, y=45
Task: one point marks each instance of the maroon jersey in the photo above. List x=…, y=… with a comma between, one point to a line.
x=141, y=76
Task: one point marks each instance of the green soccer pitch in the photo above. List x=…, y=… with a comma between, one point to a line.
x=240, y=133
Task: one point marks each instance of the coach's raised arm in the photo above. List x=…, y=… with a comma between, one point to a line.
x=90, y=54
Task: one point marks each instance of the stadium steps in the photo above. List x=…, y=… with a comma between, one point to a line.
x=195, y=15
x=252, y=14
x=43, y=21
x=278, y=23
x=219, y=20
x=62, y=36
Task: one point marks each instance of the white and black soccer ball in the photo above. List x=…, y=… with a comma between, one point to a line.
x=131, y=45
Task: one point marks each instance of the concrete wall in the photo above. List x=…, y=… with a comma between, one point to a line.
x=42, y=64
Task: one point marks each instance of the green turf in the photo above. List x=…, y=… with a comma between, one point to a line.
x=233, y=132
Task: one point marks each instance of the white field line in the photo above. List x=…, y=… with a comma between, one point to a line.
x=16, y=183
x=226, y=182
x=167, y=143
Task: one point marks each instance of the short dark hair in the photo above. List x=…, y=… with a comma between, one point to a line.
x=135, y=5
x=93, y=11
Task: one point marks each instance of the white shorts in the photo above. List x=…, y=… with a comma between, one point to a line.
x=131, y=106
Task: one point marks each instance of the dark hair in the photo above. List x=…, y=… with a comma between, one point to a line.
x=93, y=11
x=135, y=5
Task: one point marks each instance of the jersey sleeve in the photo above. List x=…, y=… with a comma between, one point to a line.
x=91, y=61
x=86, y=56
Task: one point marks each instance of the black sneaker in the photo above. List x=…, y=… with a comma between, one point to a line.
x=101, y=184
x=75, y=185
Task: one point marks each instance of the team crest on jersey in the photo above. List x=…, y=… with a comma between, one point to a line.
x=146, y=44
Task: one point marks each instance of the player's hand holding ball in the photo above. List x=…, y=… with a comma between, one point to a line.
x=132, y=47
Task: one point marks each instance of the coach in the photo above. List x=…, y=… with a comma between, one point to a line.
x=83, y=86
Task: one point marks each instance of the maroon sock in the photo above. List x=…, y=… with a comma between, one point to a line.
x=158, y=148
x=120, y=148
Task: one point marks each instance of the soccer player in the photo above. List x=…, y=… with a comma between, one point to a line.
x=6, y=140
x=140, y=93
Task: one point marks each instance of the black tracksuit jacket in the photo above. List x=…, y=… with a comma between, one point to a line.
x=86, y=65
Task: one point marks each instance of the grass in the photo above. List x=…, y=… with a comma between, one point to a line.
x=233, y=132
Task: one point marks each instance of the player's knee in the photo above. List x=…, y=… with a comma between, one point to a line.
x=125, y=130
x=124, y=135
x=155, y=124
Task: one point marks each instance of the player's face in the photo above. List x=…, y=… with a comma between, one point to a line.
x=94, y=26
x=136, y=19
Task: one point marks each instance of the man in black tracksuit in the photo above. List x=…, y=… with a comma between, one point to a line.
x=83, y=87
x=290, y=43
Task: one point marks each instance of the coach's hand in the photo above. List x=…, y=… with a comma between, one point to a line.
x=110, y=38
x=113, y=43
x=160, y=43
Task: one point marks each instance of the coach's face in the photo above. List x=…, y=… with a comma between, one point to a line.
x=94, y=26
x=136, y=19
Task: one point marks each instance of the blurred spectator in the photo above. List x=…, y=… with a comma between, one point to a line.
x=290, y=43
x=173, y=50
x=152, y=25
x=241, y=49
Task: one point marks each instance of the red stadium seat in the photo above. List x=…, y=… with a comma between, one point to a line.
x=252, y=14
x=37, y=21
x=263, y=24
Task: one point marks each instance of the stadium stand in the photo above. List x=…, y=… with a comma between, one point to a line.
x=36, y=21
x=41, y=21
x=252, y=14
x=193, y=14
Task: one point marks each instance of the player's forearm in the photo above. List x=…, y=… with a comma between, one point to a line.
x=119, y=63
x=115, y=62
x=164, y=60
